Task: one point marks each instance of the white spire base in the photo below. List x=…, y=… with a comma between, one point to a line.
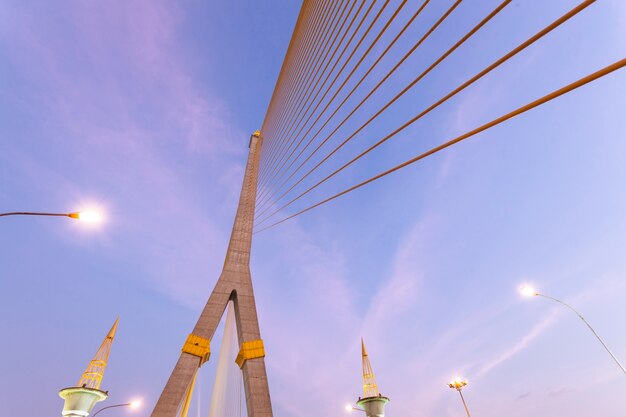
x=80, y=401
x=373, y=406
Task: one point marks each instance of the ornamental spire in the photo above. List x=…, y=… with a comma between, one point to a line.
x=92, y=377
x=370, y=389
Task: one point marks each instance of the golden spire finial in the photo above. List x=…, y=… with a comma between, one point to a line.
x=92, y=377
x=370, y=389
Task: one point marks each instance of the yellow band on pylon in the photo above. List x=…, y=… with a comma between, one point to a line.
x=198, y=346
x=250, y=350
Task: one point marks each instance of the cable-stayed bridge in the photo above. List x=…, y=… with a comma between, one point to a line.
x=349, y=65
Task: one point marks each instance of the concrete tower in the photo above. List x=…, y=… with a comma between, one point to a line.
x=373, y=402
x=235, y=283
x=80, y=400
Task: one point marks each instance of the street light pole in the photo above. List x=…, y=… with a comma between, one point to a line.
x=464, y=404
x=458, y=385
x=28, y=213
x=88, y=216
x=528, y=291
x=130, y=404
x=350, y=407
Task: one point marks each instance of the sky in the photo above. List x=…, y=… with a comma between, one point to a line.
x=143, y=110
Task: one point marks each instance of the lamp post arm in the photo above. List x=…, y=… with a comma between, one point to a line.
x=30, y=213
x=590, y=328
x=110, y=406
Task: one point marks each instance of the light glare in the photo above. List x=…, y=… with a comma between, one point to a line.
x=90, y=216
x=528, y=291
x=458, y=383
x=135, y=404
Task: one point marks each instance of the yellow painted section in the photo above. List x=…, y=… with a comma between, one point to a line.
x=198, y=346
x=250, y=350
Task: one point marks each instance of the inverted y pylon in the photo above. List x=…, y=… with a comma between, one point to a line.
x=234, y=283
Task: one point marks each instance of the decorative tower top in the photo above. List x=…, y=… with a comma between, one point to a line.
x=373, y=403
x=80, y=400
x=370, y=389
x=92, y=377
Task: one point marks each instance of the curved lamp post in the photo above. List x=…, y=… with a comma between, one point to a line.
x=86, y=216
x=458, y=383
x=531, y=292
x=132, y=404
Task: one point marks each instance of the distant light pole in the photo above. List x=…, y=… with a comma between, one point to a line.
x=531, y=292
x=458, y=383
x=88, y=216
x=132, y=404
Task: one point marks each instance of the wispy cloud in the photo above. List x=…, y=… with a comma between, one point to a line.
x=537, y=330
x=128, y=116
x=330, y=321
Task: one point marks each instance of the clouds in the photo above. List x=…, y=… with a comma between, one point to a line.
x=500, y=357
x=109, y=102
x=316, y=319
x=131, y=125
x=398, y=293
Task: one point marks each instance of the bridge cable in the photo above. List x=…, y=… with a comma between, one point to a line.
x=324, y=71
x=398, y=64
x=460, y=88
x=301, y=64
x=262, y=199
x=363, y=19
x=557, y=93
x=363, y=38
x=371, y=46
x=300, y=102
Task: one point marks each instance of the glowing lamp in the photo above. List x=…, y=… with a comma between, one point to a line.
x=88, y=216
x=528, y=291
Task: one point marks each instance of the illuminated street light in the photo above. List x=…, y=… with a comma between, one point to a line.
x=528, y=291
x=88, y=216
x=531, y=292
x=133, y=405
x=350, y=407
x=458, y=383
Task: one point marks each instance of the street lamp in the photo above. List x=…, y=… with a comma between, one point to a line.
x=458, y=383
x=133, y=404
x=88, y=216
x=350, y=407
x=531, y=292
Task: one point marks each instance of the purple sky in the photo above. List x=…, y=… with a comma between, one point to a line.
x=143, y=110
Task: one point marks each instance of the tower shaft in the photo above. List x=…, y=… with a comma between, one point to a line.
x=234, y=283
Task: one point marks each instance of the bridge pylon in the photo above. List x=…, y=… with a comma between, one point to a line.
x=234, y=283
